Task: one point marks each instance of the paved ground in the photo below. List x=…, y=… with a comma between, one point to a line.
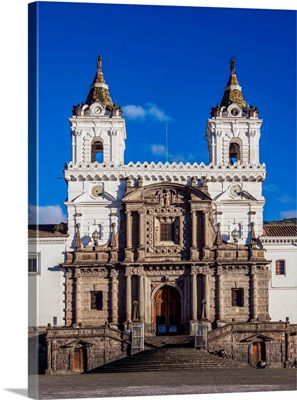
x=163, y=383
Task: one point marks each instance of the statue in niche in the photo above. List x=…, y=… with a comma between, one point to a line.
x=167, y=199
x=203, y=309
x=135, y=311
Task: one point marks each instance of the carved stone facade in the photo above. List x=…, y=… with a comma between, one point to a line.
x=163, y=244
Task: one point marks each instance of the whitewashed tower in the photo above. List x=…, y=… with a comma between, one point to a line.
x=98, y=137
x=233, y=134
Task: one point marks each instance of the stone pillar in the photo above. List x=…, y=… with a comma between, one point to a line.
x=254, y=288
x=77, y=297
x=181, y=230
x=140, y=250
x=206, y=295
x=194, y=252
x=128, y=296
x=114, y=297
x=220, y=294
x=206, y=226
x=141, y=296
x=49, y=356
x=194, y=294
x=194, y=229
x=128, y=229
x=141, y=229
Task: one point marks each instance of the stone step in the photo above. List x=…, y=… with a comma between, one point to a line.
x=166, y=359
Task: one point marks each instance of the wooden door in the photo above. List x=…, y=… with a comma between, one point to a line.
x=80, y=360
x=258, y=353
x=167, y=311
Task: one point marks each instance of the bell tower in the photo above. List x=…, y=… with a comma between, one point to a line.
x=233, y=135
x=233, y=131
x=97, y=128
x=98, y=133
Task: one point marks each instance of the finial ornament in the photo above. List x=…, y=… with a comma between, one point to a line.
x=99, y=63
x=232, y=66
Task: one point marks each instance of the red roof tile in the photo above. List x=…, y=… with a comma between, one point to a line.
x=47, y=230
x=279, y=230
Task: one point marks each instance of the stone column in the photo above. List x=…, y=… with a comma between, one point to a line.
x=141, y=228
x=206, y=295
x=220, y=294
x=254, y=291
x=77, y=297
x=114, y=297
x=128, y=229
x=181, y=230
x=49, y=356
x=141, y=296
x=194, y=294
x=206, y=241
x=194, y=229
x=128, y=296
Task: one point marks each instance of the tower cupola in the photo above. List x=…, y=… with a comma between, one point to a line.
x=233, y=131
x=98, y=129
x=99, y=89
x=232, y=93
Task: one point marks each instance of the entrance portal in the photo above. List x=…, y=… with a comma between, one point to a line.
x=167, y=311
x=80, y=360
x=258, y=353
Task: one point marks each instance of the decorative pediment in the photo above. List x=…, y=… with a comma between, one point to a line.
x=166, y=194
x=104, y=198
x=77, y=344
x=256, y=338
x=242, y=195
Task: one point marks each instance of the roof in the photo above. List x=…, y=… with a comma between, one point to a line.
x=99, y=89
x=279, y=230
x=47, y=230
x=233, y=93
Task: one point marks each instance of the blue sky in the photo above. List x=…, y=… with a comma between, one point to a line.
x=165, y=63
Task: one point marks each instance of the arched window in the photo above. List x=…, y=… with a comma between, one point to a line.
x=97, y=151
x=235, y=151
x=280, y=267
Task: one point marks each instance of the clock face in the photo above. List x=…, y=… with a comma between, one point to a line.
x=234, y=112
x=97, y=110
x=235, y=190
x=96, y=191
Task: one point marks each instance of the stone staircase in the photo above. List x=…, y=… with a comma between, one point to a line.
x=168, y=354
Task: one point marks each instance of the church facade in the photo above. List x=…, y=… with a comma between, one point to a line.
x=164, y=245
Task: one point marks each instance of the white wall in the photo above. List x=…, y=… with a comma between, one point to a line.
x=46, y=289
x=283, y=288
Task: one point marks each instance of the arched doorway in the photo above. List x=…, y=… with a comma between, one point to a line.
x=167, y=311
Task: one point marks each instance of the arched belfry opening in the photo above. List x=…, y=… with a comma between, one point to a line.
x=97, y=151
x=234, y=151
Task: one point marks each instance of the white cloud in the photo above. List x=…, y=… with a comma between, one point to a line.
x=134, y=112
x=46, y=215
x=149, y=110
x=288, y=214
x=270, y=187
x=286, y=199
x=158, y=149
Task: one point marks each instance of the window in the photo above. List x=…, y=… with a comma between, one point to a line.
x=166, y=232
x=234, y=151
x=280, y=267
x=97, y=300
x=97, y=151
x=32, y=265
x=237, y=297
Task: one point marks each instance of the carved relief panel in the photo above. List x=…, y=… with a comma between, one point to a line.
x=164, y=228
